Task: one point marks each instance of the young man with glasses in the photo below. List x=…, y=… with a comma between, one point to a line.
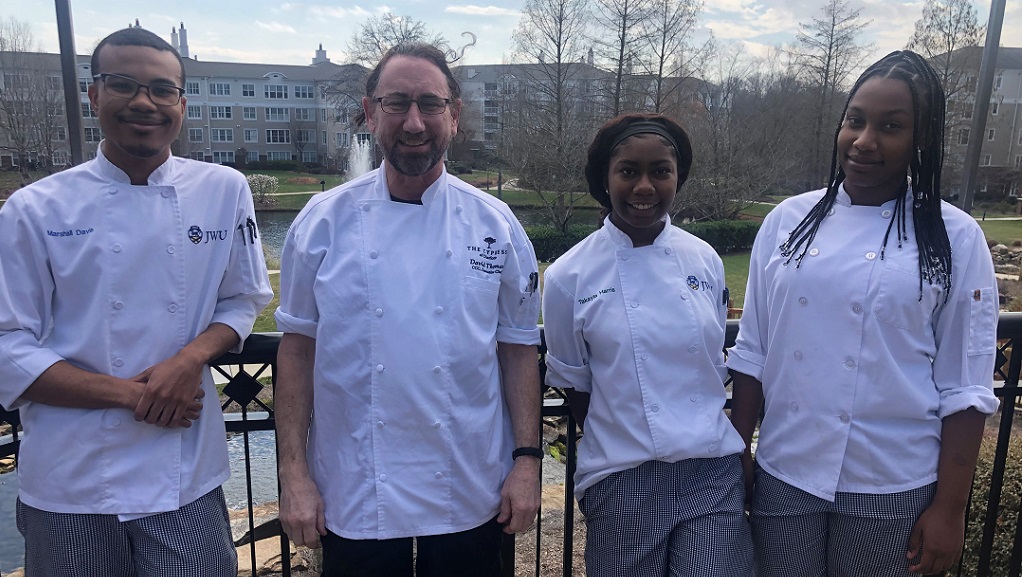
x=133, y=271
x=408, y=390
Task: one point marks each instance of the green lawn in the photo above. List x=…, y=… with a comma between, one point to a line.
x=736, y=273
x=1003, y=231
x=299, y=181
x=264, y=322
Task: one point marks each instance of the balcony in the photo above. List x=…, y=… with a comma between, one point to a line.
x=553, y=547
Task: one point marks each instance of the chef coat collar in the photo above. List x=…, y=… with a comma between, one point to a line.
x=162, y=175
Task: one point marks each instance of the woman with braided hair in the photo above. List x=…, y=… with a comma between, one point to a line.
x=867, y=339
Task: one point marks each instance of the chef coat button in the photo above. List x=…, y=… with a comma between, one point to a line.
x=694, y=398
x=635, y=305
x=115, y=423
x=437, y=369
x=644, y=356
x=712, y=448
x=380, y=424
x=871, y=255
x=373, y=254
x=164, y=194
x=845, y=418
x=693, y=349
x=814, y=251
x=625, y=257
x=655, y=408
x=439, y=310
x=118, y=363
x=118, y=305
x=379, y=368
x=684, y=296
x=113, y=191
x=365, y=207
x=383, y=478
x=803, y=301
x=438, y=475
x=798, y=355
x=886, y=214
x=850, y=363
x=667, y=251
x=794, y=406
x=857, y=308
x=379, y=312
x=449, y=253
x=116, y=248
x=170, y=249
x=172, y=308
x=436, y=425
x=458, y=209
x=830, y=212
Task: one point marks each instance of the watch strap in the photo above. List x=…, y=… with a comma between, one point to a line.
x=527, y=452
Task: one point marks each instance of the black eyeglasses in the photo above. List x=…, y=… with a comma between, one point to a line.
x=124, y=87
x=429, y=105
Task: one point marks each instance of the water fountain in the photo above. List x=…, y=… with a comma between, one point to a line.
x=360, y=158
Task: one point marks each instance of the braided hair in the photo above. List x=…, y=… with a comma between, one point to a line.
x=928, y=108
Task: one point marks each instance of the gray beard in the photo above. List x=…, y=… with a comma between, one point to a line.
x=414, y=164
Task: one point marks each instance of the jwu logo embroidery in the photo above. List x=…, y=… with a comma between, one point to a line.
x=199, y=236
x=695, y=284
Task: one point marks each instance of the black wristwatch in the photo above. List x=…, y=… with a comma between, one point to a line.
x=527, y=452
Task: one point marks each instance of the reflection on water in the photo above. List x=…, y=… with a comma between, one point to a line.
x=263, y=457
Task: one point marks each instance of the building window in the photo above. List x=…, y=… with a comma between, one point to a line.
x=278, y=155
x=1020, y=136
x=304, y=135
x=994, y=108
x=59, y=158
x=194, y=112
x=986, y=160
x=248, y=113
x=222, y=156
x=342, y=117
x=322, y=137
x=305, y=91
x=990, y=134
x=309, y=156
x=278, y=136
x=194, y=135
x=251, y=135
x=277, y=114
x=275, y=91
x=997, y=82
x=191, y=88
x=308, y=114
x=963, y=136
x=252, y=156
x=248, y=90
x=87, y=111
x=83, y=85
x=220, y=113
x=219, y=89
x=1018, y=161
x=222, y=134
x=93, y=134
x=198, y=155
x=54, y=83
x=342, y=139
x=60, y=134
x=967, y=113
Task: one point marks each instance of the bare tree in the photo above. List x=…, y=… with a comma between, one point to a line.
x=550, y=109
x=302, y=124
x=620, y=37
x=949, y=36
x=31, y=111
x=827, y=52
x=379, y=33
x=670, y=56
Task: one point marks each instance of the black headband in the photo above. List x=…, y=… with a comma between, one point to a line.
x=645, y=127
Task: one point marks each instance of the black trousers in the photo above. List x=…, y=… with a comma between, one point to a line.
x=472, y=553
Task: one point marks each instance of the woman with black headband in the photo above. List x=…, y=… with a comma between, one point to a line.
x=634, y=318
x=868, y=329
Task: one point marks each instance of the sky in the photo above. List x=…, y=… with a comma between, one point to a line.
x=269, y=31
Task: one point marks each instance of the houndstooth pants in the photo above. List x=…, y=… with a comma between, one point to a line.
x=683, y=519
x=797, y=534
x=194, y=541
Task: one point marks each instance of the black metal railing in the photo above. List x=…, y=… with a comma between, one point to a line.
x=994, y=541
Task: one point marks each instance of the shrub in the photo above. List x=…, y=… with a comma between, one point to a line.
x=262, y=185
x=551, y=243
x=725, y=236
x=1007, y=514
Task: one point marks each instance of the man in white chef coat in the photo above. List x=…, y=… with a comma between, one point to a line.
x=407, y=398
x=120, y=279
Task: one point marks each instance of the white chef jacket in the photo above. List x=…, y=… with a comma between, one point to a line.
x=857, y=370
x=641, y=330
x=114, y=278
x=410, y=435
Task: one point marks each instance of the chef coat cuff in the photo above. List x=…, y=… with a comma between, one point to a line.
x=746, y=362
x=239, y=315
x=517, y=336
x=289, y=324
x=979, y=397
x=25, y=361
x=564, y=376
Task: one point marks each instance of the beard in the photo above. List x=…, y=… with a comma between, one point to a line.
x=140, y=150
x=414, y=163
